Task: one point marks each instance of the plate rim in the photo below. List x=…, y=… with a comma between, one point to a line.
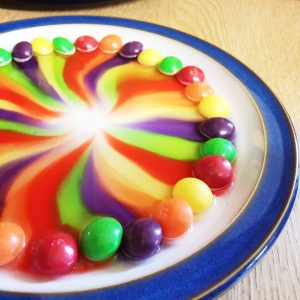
x=220, y=56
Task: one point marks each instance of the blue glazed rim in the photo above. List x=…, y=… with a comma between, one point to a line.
x=209, y=272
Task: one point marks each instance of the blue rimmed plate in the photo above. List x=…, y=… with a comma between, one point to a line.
x=228, y=240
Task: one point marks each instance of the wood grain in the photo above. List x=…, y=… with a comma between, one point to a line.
x=263, y=34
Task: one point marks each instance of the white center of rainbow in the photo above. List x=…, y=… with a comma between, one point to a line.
x=87, y=121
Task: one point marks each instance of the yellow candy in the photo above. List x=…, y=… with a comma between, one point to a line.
x=149, y=57
x=195, y=192
x=42, y=46
x=213, y=106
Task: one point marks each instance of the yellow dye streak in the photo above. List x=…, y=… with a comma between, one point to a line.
x=126, y=181
x=159, y=105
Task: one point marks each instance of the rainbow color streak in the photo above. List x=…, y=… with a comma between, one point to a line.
x=90, y=134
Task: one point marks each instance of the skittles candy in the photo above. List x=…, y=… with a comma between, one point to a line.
x=86, y=44
x=22, y=52
x=42, y=46
x=175, y=217
x=5, y=57
x=221, y=147
x=63, y=46
x=190, y=74
x=215, y=171
x=213, y=106
x=53, y=254
x=197, y=91
x=195, y=192
x=149, y=57
x=101, y=238
x=170, y=65
x=217, y=127
x=131, y=49
x=12, y=242
x=142, y=238
x=110, y=44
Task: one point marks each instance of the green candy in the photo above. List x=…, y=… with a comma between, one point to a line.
x=170, y=65
x=63, y=46
x=101, y=238
x=221, y=147
x=5, y=57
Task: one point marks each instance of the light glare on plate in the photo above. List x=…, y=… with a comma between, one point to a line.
x=84, y=120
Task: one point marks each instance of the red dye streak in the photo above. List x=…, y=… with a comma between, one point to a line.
x=136, y=87
x=75, y=65
x=162, y=168
x=41, y=194
x=16, y=138
x=26, y=103
x=85, y=265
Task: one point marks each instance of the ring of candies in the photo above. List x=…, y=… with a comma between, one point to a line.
x=57, y=253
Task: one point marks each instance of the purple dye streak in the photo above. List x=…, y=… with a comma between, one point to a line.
x=183, y=129
x=93, y=77
x=97, y=200
x=32, y=71
x=19, y=118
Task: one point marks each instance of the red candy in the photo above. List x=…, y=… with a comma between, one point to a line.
x=54, y=254
x=86, y=43
x=215, y=171
x=190, y=74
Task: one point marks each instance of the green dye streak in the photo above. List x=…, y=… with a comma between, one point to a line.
x=71, y=208
x=168, y=146
x=108, y=84
x=58, y=68
x=30, y=130
x=13, y=73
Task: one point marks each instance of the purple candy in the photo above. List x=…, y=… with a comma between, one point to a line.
x=22, y=52
x=131, y=49
x=142, y=238
x=217, y=127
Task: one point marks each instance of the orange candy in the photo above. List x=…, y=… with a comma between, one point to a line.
x=12, y=242
x=175, y=217
x=196, y=91
x=110, y=44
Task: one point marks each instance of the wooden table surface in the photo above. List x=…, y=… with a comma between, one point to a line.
x=263, y=34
